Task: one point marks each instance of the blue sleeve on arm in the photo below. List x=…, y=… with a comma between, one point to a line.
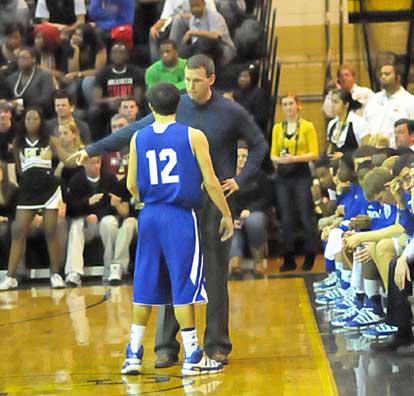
x=256, y=143
x=407, y=221
x=118, y=140
x=126, y=14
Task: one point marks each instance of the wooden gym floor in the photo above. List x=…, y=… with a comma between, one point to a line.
x=71, y=342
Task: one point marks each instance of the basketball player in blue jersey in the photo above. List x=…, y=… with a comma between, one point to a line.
x=168, y=164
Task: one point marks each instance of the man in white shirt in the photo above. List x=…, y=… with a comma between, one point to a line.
x=205, y=32
x=389, y=105
x=346, y=80
x=158, y=30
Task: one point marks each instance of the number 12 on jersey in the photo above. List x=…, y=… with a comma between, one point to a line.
x=167, y=154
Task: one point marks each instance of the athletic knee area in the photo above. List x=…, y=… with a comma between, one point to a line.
x=385, y=246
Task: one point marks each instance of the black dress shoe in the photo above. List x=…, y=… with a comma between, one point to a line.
x=220, y=357
x=289, y=263
x=165, y=360
x=236, y=274
x=392, y=343
x=308, y=263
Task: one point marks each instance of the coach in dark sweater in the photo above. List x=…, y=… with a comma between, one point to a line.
x=224, y=123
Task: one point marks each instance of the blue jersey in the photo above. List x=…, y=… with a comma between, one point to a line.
x=382, y=215
x=406, y=217
x=354, y=201
x=167, y=170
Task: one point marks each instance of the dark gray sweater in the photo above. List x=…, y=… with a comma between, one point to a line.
x=224, y=122
x=39, y=92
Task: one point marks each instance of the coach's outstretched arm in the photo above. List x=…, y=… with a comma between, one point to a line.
x=132, y=185
x=114, y=142
x=211, y=183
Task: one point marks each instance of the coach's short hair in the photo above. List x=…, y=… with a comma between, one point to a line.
x=164, y=98
x=374, y=182
x=203, y=61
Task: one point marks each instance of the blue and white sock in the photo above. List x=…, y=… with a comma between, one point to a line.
x=190, y=340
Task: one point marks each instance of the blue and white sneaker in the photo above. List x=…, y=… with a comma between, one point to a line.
x=380, y=332
x=366, y=318
x=349, y=300
x=133, y=361
x=199, y=364
x=326, y=284
x=334, y=295
x=341, y=320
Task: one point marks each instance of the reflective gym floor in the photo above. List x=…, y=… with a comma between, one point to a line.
x=72, y=341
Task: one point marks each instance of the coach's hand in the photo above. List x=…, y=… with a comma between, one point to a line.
x=80, y=157
x=229, y=187
x=402, y=273
x=226, y=228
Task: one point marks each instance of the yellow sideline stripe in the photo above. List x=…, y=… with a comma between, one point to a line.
x=324, y=368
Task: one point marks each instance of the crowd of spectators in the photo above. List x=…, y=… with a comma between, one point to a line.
x=70, y=74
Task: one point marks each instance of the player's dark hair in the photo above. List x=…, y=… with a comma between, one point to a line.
x=404, y=161
x=164, y=98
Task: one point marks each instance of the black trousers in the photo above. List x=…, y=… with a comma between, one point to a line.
x=295, y=204
x=216, y=258
x=398, y=307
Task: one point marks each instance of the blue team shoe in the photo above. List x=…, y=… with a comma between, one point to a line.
x=348, y=315
x=333, y=296
x=347, y=302
x=326, y=284
x=133, y=361
x=199, y=364
x=367, y=317
x=380, y=332
x=371, y=315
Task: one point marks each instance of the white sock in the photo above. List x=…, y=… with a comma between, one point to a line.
x=137, y=333
x=346, y=275
x=372, y=287
x=190, y=341
x=339, y=266
x=357, y=282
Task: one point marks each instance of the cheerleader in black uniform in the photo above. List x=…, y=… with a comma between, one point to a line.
x=38, y=189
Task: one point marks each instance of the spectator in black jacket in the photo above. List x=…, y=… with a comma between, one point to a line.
x=94, y=206
x=251, y=204
x=253, y=98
